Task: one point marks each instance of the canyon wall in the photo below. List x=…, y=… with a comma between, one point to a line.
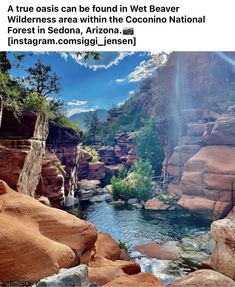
x=38, y=159
x=0, y=111
x=198, y=137
x=22, y=147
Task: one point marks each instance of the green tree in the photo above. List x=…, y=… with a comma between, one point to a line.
x=5, y=64
x=93, y=126
x=148, y=147
x=42, y=80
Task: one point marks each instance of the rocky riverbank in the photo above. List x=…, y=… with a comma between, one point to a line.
x=44, y=240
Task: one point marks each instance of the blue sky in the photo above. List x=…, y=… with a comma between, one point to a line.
x=94, y=84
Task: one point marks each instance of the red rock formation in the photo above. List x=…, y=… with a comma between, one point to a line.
x=160, y=251
x=37, y=240
x=107, y=247
x=83, y=164
x=203, y=278
x=107, y=155
x=22, y=146
x=64, y=143
x=222, y=259
x=141, y=279
x=223, y=131
x=190, y=144
x=155, y=204
x=0, y=111
x=96, y=170
x=52, y=180
x=208, y=180
x=102, y=270
x=125, y=149
x=207, y=177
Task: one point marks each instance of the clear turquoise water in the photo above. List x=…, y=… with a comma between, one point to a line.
x=138, y=226
x=135, y=227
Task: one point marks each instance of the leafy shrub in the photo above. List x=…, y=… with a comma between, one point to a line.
x=123, y=245
x=37, y=103
x=136, y=183
x=93, y=152
x=63, y=121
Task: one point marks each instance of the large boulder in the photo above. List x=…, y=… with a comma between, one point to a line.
x=142, y=279
x=155, y=204
x=166, y=251
x=36, y=240
x=222, y=259
x=76, y=276
x=89, y=184
x=96, y=170
x=180, y=156
x=203, y=278
x=107, y=247
x=102, y=270
x=223, y=131
x=208, y=180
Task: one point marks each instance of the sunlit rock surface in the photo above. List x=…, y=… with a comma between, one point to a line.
x=36, y=240
x=208, y=181
x=203, y=278
x=51, y=183
x=222, y=259
x=22, y=147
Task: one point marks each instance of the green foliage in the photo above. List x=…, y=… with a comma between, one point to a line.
x=12, y=93
x=148, y=146
x=136, y=183
x=93, y=152
x=132, y=115
x=123, y=245
x=63, y=121
x=37, y=103
x=93, y=126
x=5, y=64
x=87, y=55
x=42, y=80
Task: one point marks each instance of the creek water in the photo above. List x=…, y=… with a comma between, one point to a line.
x=135, y=227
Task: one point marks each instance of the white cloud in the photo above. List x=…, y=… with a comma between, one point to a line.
x=131, y=92
x=71, y=112
x=106, y=61
x=143, y=71
x=147, y=68
x=120, y=104
x=120, y=80
x=64, y=55
x=76, y=103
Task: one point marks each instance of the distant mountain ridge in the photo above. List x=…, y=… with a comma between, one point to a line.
x=101, y=113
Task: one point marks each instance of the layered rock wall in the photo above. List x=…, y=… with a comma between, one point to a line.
x=0, y=110
x=63, y=142
x=51, y=184
x=22, y=147
x=125, y=148
x=207, y=180
x=222, y=259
